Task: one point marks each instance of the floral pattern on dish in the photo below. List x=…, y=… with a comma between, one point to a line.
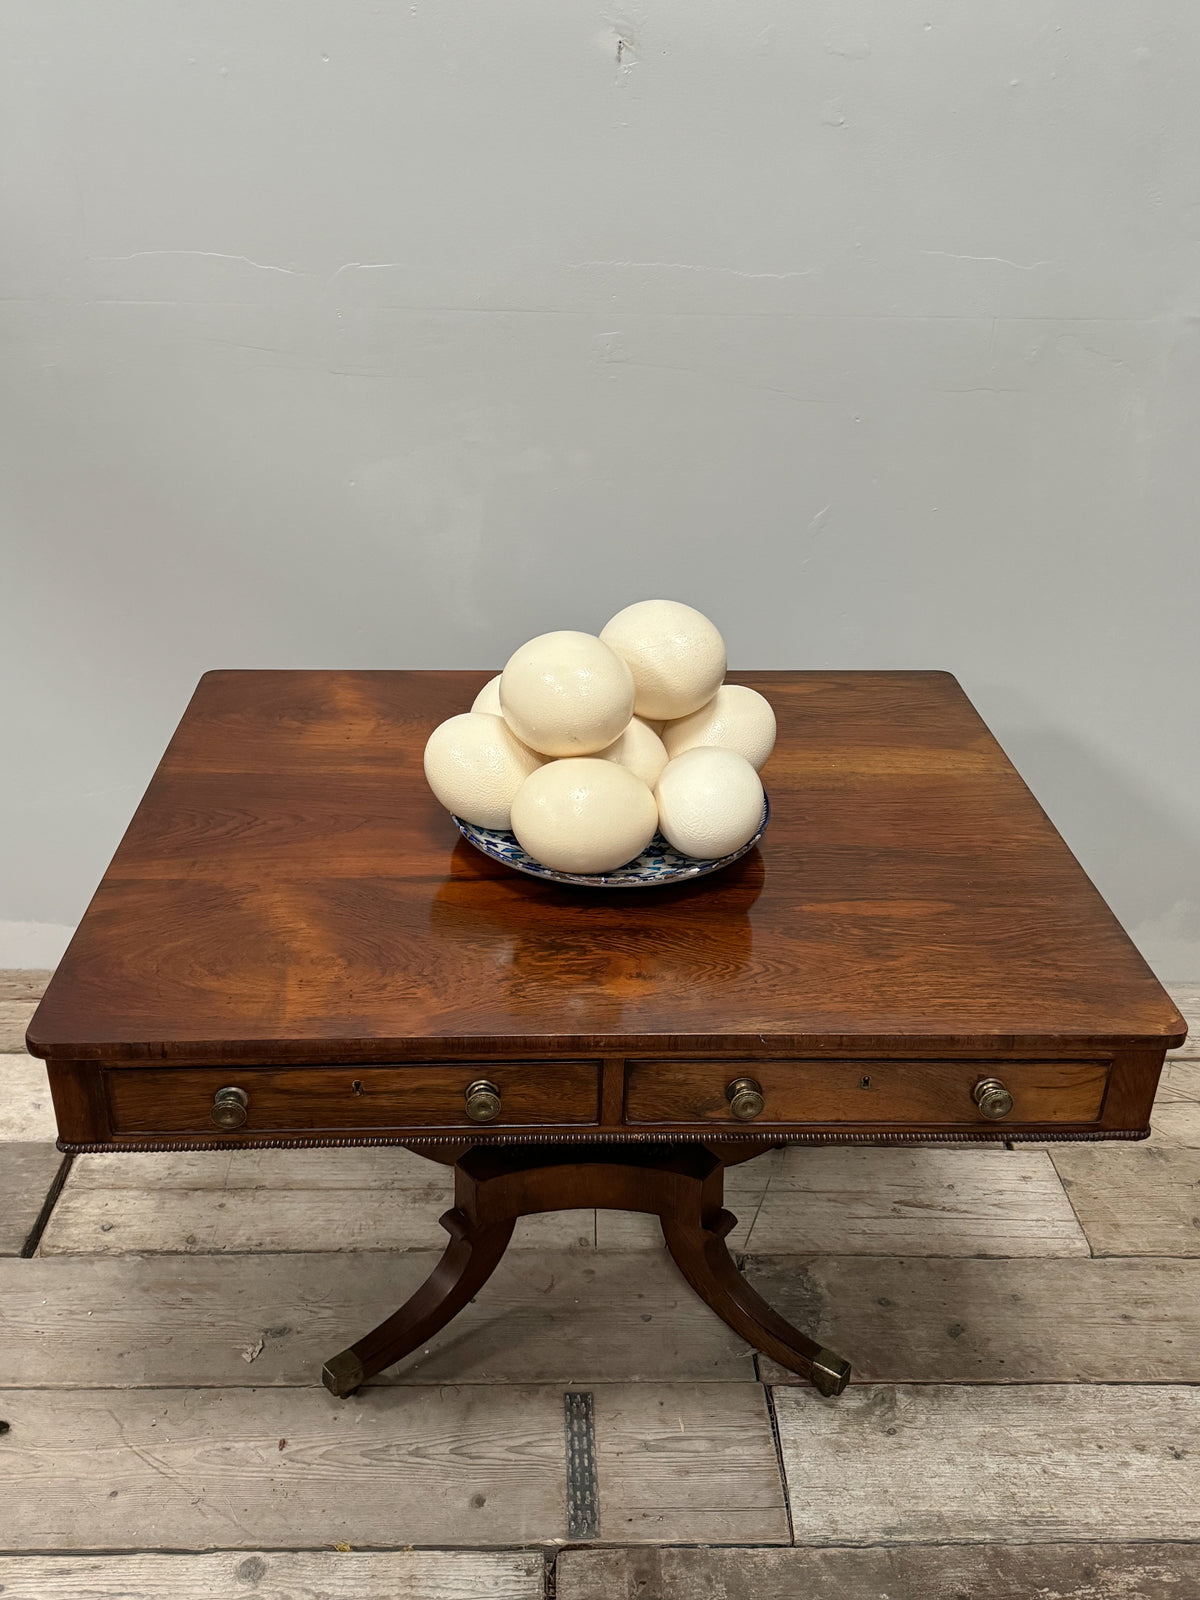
x=658, y=863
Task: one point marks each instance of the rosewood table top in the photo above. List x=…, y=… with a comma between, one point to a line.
x=289, y=890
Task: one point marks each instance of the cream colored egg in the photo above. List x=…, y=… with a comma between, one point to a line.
x=566, y=694
x=584, y=815
x=736, y=718
x=710, y=802
x=675, y=653
x=640, y=749
x=475, y=764
x=488, y=698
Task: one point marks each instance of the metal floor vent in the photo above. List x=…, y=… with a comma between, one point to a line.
x=583, y=1492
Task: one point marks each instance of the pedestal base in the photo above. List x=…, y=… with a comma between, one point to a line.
x=495, y=1184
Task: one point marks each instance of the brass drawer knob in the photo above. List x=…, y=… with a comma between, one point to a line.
x=229, y=1108
x=483, y=1101
x=992, y=1098
x=745, y=1098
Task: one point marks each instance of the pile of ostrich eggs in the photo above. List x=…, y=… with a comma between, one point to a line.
x=587, y=745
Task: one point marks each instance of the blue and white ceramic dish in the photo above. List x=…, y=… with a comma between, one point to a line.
x=658, y=864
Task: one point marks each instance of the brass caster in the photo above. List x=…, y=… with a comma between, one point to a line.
x=830, y=1374
x=342, y=1374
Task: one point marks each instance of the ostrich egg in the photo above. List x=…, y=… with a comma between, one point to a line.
x=736, y=718
x=675, y=654
x=640, y=749
x=488, y=698
x=583, y=815
x=710, y=802
x=475, y=764
x=566, y=694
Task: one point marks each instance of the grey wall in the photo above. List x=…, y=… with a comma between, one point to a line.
x=387, y=334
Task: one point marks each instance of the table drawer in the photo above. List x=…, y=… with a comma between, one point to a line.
x=877, y=1093
x=351, y=1099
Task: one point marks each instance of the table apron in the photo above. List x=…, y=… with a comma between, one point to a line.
x=676, y=1098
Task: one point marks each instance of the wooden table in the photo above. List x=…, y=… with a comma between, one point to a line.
x=292, y=946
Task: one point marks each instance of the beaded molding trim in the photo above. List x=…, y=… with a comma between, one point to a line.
x=766, y=1137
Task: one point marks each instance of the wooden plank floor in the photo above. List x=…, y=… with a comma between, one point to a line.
x=27, y=1171
x=998, y=1572
x=980, y=1321
x=980, y=1464
x=476, y=1465
x=279, y=1575
x=26, y=1112
x=1145, y=1205
x=1024, y=1325
x=257, y=1200
x=555, y=1316
x=928, y=1202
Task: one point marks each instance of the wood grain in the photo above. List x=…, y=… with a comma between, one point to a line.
x=1175, y=1117
x=987, y=1572
x=15, y=1016
x=636, y=1230
x=179, y=1099
x=924, y=1202
x=1135, y=1202
x=865, y=1092
x=114, y=1221
x=240, y=1200
x=278, y=1575
x=923, y=1320
x=26, y=1111
x=1187, y=999
x=197, y=1469
x=692, y=1463
x=550, y=1316
x=471, y=1466
x=971, y=1465
x=1176, y=1125
x=27, y=1170
x=389, y=1170
x=1180, y=1081
x=24, y=983
x=290, y=890
x=745, y=1186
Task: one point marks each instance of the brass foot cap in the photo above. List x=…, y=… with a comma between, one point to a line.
x=830, y=1374
x=342, y=1374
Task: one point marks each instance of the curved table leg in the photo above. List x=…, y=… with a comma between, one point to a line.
x=493, y=1187
x=468, y=1262
x=701, y=1254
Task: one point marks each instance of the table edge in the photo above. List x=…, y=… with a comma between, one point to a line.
x=315, y=1052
